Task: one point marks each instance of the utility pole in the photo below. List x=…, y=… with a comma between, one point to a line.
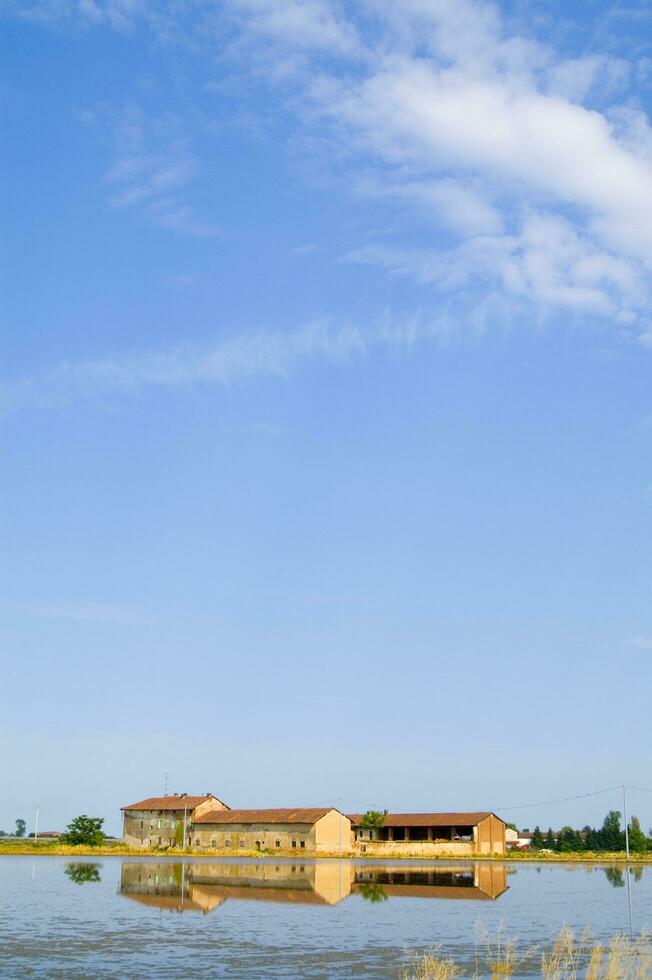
x=626, y=822
x=36, y=825
x=185, y=819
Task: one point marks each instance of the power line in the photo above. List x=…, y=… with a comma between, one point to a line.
x=565, y=799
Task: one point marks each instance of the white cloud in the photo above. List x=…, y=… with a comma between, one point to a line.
x=502, y=143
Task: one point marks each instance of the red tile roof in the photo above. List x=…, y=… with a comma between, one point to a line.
x=287, y=815
x=427, y=819
x=169, y=803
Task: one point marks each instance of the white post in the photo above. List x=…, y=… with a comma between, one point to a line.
x=185, y=840
x=626, y=822
x=36, y=826
x=340, y=823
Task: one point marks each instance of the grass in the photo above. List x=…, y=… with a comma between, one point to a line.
x=569, y=958
x=117, y=848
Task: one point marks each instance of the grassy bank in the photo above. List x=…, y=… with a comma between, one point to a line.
x=119, y=849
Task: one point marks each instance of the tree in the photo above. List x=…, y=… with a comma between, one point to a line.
x=84, y=830
x=550, y=840
x=373, y=820
x=638, y=842
x=21, y=827
x=537, y=841
x=612, y=837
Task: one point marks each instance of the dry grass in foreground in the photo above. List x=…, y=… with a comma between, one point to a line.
x=569, y=958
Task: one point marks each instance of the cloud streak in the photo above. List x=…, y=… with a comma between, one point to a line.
x=239, y=359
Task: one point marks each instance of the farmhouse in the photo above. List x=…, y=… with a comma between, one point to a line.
x=159, y=820
x=432, y=833
x=315, y=829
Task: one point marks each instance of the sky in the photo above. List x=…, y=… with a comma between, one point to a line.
x=325, y=405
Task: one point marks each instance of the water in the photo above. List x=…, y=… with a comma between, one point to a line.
x=259, y=919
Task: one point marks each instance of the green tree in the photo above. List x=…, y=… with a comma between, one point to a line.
x=21, y=827
x=373, y=820
x=550, y=840
x=537, y=841
x=638, y=842
x=84, y=830
x=612, y=837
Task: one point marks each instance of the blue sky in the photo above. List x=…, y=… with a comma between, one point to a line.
x=325, y=404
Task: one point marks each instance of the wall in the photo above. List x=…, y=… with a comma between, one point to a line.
x=216, y=835
x=149, y=834
x=414, y=848
x=332, y=833
x=491, y=836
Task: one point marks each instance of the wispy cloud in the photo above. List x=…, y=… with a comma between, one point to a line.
x=94, y=612
x=238, y=359
x=152, y=167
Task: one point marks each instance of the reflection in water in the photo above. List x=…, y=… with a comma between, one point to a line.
x=616, y=876
x=203, y=886
x=82, y=872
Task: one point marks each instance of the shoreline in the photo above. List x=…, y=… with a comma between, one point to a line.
x=50, y=849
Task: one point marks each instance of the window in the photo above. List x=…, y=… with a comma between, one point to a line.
x=173, y=824
x=213, y=842
x=302, y=843
x=227, y=843
x=278, y=843
x=294, y=843
x=159, y=841
x=159, y=824
x=141, y=824
x=242, y=843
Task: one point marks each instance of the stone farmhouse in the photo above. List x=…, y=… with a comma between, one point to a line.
x=205, y=822
x=311, y=829
x=159, y=821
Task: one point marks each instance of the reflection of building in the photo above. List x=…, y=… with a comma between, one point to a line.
x=203, y=886
x=159, y=821
x=431, y=833
x=311, y=829
x=468, y=881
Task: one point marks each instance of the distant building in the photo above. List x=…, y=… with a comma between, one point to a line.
x=159, y=820
x=311, y=829
x=432, y=833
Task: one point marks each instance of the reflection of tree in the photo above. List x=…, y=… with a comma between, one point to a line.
x=373, y=893
x=637, y=872
x=615, y=877
x=83, y=872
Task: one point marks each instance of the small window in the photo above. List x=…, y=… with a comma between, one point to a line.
x=159, y=841
x=213, y=842
x=227, y=843
x=242, y=843
x=294, y=843
x=173, y=824
x=278, y=843
x=160, y=824
x=302, y=843
x=141, y=824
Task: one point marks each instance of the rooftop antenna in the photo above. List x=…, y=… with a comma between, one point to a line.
x=165, y=785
